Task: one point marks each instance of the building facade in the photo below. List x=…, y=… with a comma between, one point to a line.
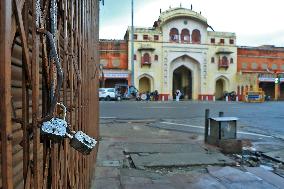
x=258, y=67
x=114, y=61
x=179, y=52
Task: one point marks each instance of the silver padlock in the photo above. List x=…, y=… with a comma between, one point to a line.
x=56, y=128
x=83, y=143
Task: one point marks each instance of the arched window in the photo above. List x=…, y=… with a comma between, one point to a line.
x=231, y=60
x=146, y=59
x=224, y=60
x=196, y=36
x=223, y=63
x=174, y=35
x=212, y=60
x=185, y=36
x=156, y=57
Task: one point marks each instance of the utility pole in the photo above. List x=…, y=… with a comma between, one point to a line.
x=132, y=45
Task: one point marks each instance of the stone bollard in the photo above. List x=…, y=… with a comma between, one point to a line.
x=237, y=98
x=214, y=98
x=206, y=98
x=227, y=98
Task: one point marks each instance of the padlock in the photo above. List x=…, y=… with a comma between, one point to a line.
x=83, y=143
x=56, y=128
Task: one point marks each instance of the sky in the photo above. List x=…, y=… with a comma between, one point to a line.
x=255, y=22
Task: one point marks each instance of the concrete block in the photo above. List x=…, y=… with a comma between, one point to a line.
x=231, y=146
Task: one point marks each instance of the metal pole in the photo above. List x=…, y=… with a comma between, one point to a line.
x=207, y=114
x=132, y=45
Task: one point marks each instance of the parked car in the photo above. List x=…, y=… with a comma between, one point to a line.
x=108, y=94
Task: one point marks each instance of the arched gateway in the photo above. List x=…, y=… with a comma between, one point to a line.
x=185, y=76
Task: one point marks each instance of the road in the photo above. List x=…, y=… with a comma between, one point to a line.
x=264, y=118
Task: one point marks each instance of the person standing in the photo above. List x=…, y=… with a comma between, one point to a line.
x=178, y=94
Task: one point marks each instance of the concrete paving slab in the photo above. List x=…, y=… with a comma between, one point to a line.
x=140, y=173
x=107, y=172
x=180, y=159
x=206, y=182
x=149, y=186
x=233, y=178
x=276, y=155
x=126, y=180
x=162, y=148
x=107, y=183
x=268, y=176
x=230, y=174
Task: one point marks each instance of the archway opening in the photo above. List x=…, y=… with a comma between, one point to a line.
x=268, y=88
x=281, y=91
x=144, y=85
x=220, y=89
x=182, y=80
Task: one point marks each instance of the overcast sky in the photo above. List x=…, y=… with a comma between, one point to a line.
x=256, y=22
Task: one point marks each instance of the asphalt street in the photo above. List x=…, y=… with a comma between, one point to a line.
x=260, y=118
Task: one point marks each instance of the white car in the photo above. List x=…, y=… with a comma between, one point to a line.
x=108, y=94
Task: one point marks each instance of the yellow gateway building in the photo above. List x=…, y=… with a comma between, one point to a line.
x=179, y=52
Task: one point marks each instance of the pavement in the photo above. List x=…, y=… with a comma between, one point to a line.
x=136, y=154
x=161, y=145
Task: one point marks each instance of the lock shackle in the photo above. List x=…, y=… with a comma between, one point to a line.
x=64, y=109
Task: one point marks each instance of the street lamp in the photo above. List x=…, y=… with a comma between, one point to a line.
x=132, y=45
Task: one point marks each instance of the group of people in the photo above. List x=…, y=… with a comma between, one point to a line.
x=148, y=96
x=154, y=96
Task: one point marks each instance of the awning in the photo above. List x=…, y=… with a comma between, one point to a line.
x=224, y=51
x=116, y=73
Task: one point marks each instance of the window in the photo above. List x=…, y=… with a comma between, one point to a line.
x=196, y=36
x=231, y=60
x=185, y=36
x=224, y=60
x=244, y=65
x=135, y=36
x=254, y=66
x=282, y=67
x=174, y=35
x=116, y=62
x=212, y=40
x=274, y=67
x=212, y=60
x=264, y=66
x=156, y=57
x=232, y=41
x=224, y=63
x=135, y=57
x=111, y=90
x=156, y=37
x=104, y=62
x=222, y=41
x=145, y=37
x=146, y=59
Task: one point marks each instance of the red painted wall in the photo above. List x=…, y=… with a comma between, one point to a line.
x=114, y=49
x=260, y=55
